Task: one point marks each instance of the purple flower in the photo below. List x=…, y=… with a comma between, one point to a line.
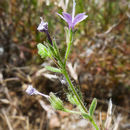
x=73, y=20
x=43, y=26
x=32, y=91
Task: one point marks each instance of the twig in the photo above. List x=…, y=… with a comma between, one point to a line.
x=27, y=122
x=7, y=120
x=11, y=79
x=118, y=120
x=47, y=108
x=109, y=116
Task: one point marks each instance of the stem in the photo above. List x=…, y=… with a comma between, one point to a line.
x=49, y=38
x=79, y=113
x=67, y=51
x=94, y=124
x=74, y=91
x=44, y=95
x=70, y=85
x=68, y=46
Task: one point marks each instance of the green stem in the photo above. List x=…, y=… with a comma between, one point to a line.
x=67, y=51
x=94, y=124
x=68, y=46
x=79, y=113
x=71, y=87
x=73, y=90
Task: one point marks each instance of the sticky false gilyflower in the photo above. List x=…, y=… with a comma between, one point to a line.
x=43, y=27
x=72, y=20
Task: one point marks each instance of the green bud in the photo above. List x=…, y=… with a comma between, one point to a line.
x=56, y=102
x=42, y=50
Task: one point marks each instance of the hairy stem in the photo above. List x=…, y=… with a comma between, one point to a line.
x=94, y=124
x=79, y=113
x=67, y=51
x=73, y=90
x=68, y=46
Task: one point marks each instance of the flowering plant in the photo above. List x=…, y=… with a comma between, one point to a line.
x=51, y=50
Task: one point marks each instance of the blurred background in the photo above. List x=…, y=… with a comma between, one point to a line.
x=100, y=58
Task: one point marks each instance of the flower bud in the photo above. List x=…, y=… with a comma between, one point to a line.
x=31, y=91
x=56, y=102
x=43, y=26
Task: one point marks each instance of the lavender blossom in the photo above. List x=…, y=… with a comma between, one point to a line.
x=43, y=26
x=32, y=91
x=73, y=20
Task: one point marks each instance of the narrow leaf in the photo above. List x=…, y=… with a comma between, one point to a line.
x=93, y=107
x=53, y=69
x=56, y=48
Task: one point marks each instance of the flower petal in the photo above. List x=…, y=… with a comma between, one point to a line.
x=30, y=90
x=80, y=17
x=67, y=17
x=73, y=10
x=61, y=16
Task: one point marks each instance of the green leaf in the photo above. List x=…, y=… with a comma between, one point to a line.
x=93, y=107
x=51, y=50
x=53, y=69
x=42, y=50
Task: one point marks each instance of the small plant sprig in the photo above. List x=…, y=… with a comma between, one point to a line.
x=51, y=50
